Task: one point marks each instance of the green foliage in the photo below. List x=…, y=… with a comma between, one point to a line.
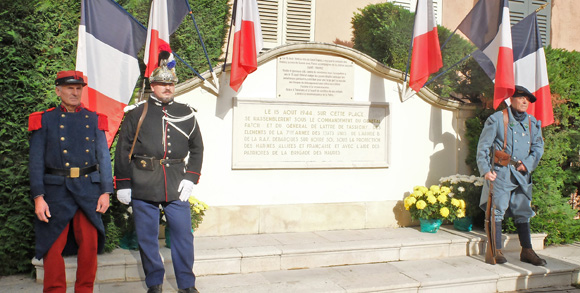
x=38, y=38
x=384, y=30
x=558, y=174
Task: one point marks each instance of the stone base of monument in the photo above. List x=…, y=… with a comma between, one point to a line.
x=242, y=254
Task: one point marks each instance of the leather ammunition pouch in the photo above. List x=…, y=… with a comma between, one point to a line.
x=501, y=158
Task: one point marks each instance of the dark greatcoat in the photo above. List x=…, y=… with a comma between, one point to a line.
x=62, y=140
x=161, y=184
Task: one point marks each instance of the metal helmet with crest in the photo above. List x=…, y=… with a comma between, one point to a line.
x=165, y=73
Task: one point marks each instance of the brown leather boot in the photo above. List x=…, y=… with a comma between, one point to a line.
x=499, y=258
x=529, y=255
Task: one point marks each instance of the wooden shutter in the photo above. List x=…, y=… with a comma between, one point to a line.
x=412, y=4
x=286, y=21
x=298, y=21
x=519, y=9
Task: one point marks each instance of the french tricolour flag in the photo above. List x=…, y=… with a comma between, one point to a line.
x=164, y=19
x=247, y=42
x=487, y=25
x=531, y=71
x=426, y=58
x=108, y=42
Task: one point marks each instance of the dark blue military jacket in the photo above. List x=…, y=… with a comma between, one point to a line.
x=63, y=140
x=169, y=131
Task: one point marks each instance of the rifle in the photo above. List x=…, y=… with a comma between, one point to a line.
x=490, y=217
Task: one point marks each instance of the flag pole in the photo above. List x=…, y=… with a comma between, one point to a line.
x=202, y=45
x=449, y=68
x=230, y=33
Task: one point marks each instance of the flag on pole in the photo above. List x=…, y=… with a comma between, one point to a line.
x=247, y=42
x=531, y=70
x=108, y=42
x=426, y=57
x=487, y=25
x=165, y=17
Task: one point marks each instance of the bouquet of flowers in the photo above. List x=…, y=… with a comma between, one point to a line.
x=198, y=209
x=467, y=188
x=434, y=203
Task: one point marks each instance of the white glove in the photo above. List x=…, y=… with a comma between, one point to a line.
x=124, y=195
x=185, y=187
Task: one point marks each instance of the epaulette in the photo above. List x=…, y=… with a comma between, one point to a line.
x=103, y=123
x=133, y=106
x=35, y=120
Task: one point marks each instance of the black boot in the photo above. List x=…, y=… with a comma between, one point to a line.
x=155, y=289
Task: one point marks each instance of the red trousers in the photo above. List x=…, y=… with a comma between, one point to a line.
x=54, y=270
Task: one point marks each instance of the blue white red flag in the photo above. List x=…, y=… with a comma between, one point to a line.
x=531, y=70
x=108, y=42
x=487, y=25
x=164, y=19
x=247, y=42
x=426, y=57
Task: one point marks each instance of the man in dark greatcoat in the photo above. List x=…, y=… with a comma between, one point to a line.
x=516, y=138
x=151, y=171
x=70, y=182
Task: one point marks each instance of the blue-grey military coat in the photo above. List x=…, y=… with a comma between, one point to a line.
x=62, y=140
x=523, y=144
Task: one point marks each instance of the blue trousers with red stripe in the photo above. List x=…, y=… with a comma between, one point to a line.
x=178, y=216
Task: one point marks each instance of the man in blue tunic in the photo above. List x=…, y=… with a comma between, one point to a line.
x=70, y=182
x=516, y=139
x=151, y=170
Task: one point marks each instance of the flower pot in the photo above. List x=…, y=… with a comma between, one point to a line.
x=463, y=224
x=430, y=226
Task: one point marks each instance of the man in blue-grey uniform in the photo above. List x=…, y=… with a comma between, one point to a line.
x=70, y=183
x=516, y=139
x=151, y=171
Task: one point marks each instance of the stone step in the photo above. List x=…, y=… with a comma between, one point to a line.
x=246, y=254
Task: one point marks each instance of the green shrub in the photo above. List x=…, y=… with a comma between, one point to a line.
x=384, y=30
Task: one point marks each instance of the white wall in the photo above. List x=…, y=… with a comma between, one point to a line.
x=422, y=140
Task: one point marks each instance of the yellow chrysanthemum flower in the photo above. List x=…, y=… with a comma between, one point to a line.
x=417, y=193
x=462, y=203
x=445, y=189
x=434, y=188
x=431, y=199
x=192, y=200
x=196, y=210
x=421, y=204
x=461, y=213
x=442, y=198
x=418, y=188
x=455, y=202
x=423, y=189
x=444, y=212
x=429, y=193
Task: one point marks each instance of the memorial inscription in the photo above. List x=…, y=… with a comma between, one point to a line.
x=308, y=76
x=275, y=134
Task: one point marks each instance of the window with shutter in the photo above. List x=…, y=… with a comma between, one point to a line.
x=412, y=4
x=519, y=9
x=286, y=21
